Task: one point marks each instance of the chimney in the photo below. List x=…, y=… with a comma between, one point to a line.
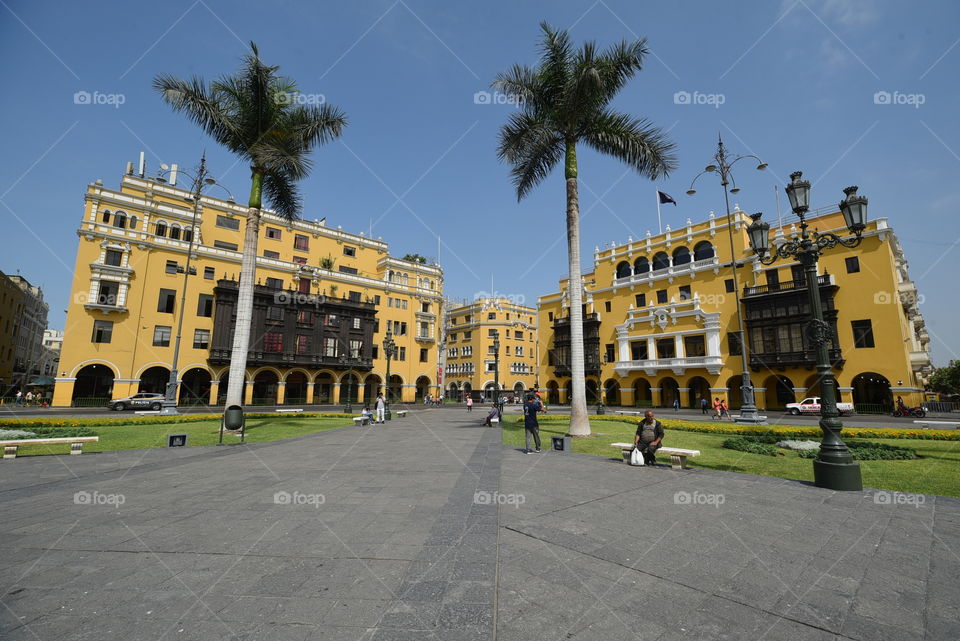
x=173, y=174
x=142, y=166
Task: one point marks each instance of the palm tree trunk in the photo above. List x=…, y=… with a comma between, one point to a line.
x=248, y=267
x=579, y=420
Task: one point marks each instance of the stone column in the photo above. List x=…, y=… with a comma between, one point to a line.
x=309, y=400
x=655, y=396
x=248, y=393
x=281, y=392
x=63, y=392
x=760, y=397
x=214, y=392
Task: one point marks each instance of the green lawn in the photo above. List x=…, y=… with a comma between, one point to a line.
x=937, y=471
x=135, y=437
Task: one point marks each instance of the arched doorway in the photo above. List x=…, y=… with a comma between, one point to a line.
x=623, y=269
x=94, y=386
x=591, y=387
x=612, y=392
x=349, y=388
x=154, y=380
x=222, y=386
x=642, y=396
x=779, y=392
x=699, y=388
x=467, y=390
x=813, y=387
x=660, y=261
x=488, y=392
x=453, y=393
x=296, y=392
x=553, y=393
x=423, y=387
x=734, y=393
x=518, y=391
x=395, y=389
x=669, y=391
x=703, y=250
x=871, y=393
x=265, y=388
x=371, y=387
x=195, y=387
x=323, y=388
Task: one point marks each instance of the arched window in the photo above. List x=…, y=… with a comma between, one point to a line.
x=641, y=265
x=188, y=234
x=106, y=216
x=175, y=231
x=161, y=228
x=133, y=222
x=681, y=256
x=703, y=250
x=623, y=269
x=660, y=261
x=120, y=220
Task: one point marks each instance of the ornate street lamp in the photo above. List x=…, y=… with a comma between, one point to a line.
x=200, y=181
x=834, y=468
x=348, y=361
x=389, y=349
x=496, y=368
x=724, y=163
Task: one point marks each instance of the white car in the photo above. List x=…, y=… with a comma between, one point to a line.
x=811, y=405
x=141, y=401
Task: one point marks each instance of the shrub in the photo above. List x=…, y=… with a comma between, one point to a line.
x=33, y=423
x=869, y=451
x=49, y=432
x=799, y=445
x=751, y=445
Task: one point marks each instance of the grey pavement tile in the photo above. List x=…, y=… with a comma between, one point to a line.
x=866, y=629
x=356, y=612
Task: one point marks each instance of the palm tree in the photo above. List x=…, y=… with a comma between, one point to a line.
x=256, y=115
x=566, y=100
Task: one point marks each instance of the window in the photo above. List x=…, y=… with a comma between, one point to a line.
x=187, y=234
x=208, y=273
x=275, y=313
x=356, y=348
x=467, y=335
x=201, y=339
x=661, y=296
x=733, y=343
x=274, y=283
x=301, y=242
x=120, y=220
x=606, y=306
x=638, y=350
x=376, y=299
x=466, y=319
x=175, y=232
x=269, y=253
x=330, y=347
x=773, y=279
x=166, y=301
x=862, y=333
x=349, y=251
x=205, y=306
x=492, y=333
x=728, y=285
x=694, y=346
x=356, y=323
x=107, y=293
x=303, y=286
x=640, y=300
x=425, y=308
x=491, y=316
x=610, y=355
x=305, y=317
x=797, y=274
x=685, y=293
x=354, y=297
x=303, y=344
x=161, y=336
x=519, y=350
x=666, y=348
x=228, y=223
x=102, y=331
x=347, y=270
x=375, y=352
x=273, y=342
x=113, y=257
x=853, y=264
x=106, y=216
x=273, y=233
x=300, y=260
x=220, y=244
x=402, y=354
x=518, y=335
x=161, y=229
x=171, y=267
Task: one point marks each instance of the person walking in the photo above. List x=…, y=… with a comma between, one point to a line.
x=703, y=405
x=676, y=404
x=381, y=407
x=19, y=399
x=648, y=438
x=530, y=423
x=717, y=407
x=469, y=403
x=724, y=409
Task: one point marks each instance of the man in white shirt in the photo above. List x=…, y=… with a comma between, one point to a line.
x=381, y=406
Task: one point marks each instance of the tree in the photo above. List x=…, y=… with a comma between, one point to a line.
x=946, y=380
x=256, y=114
x=566, y=101
x=415, y=258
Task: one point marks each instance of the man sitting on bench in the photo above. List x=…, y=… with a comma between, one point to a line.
x=649, y=437
x=493, y=415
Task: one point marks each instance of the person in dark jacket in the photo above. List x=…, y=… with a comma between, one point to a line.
x=649, y=437
x=530, y=424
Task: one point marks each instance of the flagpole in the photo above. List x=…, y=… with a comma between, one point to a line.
x=659, y=224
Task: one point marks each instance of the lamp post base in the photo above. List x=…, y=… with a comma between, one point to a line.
x=169, y=409
x=843, y=477
x=750, y=416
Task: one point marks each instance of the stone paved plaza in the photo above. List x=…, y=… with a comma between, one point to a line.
x=429, y=528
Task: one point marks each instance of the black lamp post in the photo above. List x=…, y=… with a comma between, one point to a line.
x=496, y=368
x=346, y=360
x=389, y=349
x=834, y=467
x=748, y=409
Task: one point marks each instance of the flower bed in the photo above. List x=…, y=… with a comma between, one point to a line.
x=32, y=423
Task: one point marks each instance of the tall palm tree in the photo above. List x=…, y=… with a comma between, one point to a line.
x=566, y=101
x=256, y=115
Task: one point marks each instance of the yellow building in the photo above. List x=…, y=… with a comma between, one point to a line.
x=660, y=321
x=324, y=301
x=11, y=313
x=470, y=363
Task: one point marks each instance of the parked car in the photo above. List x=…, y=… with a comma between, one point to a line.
x=811, y=405
x=143, y=400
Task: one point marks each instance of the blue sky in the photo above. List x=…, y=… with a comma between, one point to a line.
x=796, y=81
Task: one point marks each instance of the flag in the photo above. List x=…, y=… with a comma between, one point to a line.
x=665, y=198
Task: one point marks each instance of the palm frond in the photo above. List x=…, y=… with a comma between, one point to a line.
x=532, y=147
x=282, y=195
x=636, y=142
x=200, y=105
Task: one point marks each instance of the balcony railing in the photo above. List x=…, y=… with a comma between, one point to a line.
x=672, y=270
x=792, y=359
x=316, y=361
x=787, y=285
x=652, y=365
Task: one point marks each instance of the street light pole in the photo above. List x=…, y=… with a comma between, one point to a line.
x=834, y=468
x=496, y=368
x=389, y=346
x=748, y=408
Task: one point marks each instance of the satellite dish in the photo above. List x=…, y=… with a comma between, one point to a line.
x=164, y=166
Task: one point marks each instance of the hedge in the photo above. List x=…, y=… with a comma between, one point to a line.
x=33, y=423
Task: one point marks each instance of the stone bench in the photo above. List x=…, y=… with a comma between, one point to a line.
x=292, y=409
x=401, y=413
x=361, y=420
x=678, y=457
x=943, y=425
x=628, y=413
x=76, y=443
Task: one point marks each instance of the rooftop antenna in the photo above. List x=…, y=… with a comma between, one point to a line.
x=776, y=192
x=142, y=166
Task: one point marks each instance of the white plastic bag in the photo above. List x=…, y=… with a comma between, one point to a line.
x=636, y=457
